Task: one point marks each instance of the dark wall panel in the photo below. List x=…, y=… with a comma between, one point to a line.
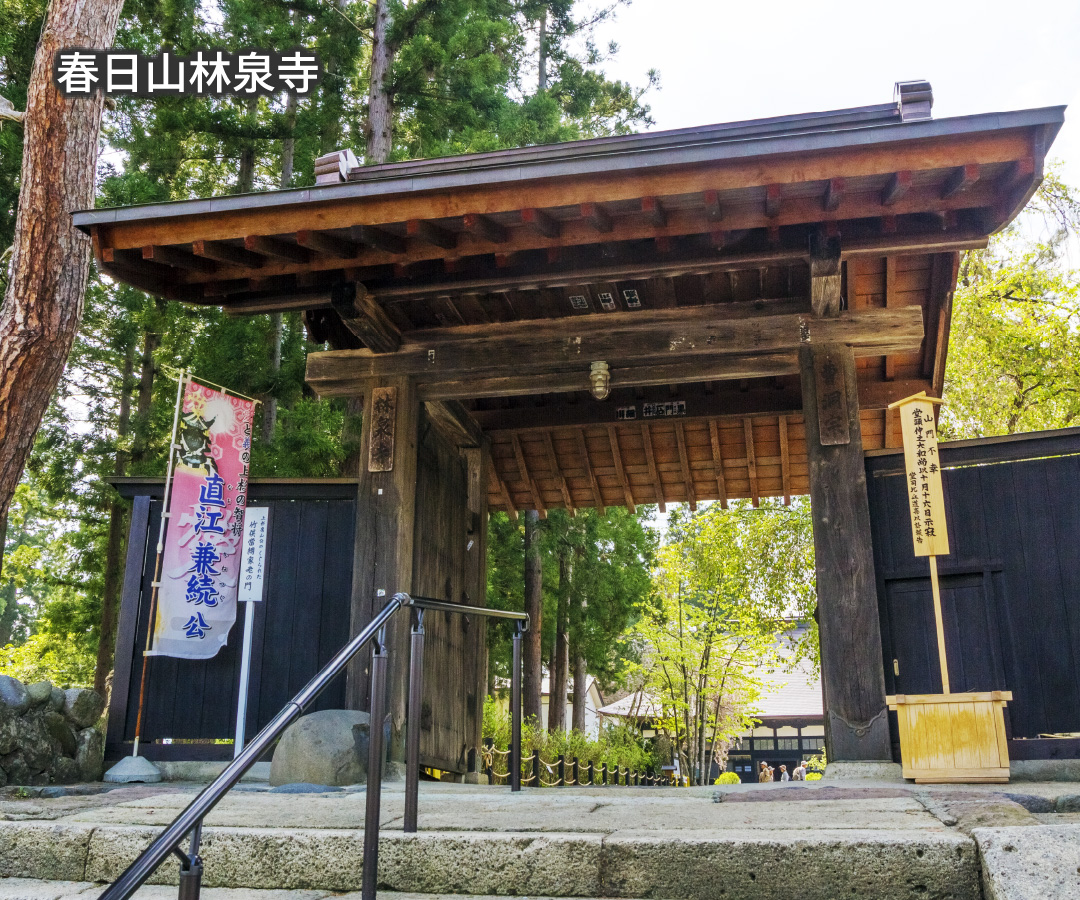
x=1010, y=587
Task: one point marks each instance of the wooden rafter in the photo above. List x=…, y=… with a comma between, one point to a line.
x=179, y=259
x=773, y=195
x=279, y=249
x=834, y=194
x=597, y=216
x=785, y=459
x=433, y=234
x=718, y=463
x=896, y=188
x=556, y=473
x=328, y=244
x=650, y=461
x=751, y=461
x=504, y=493
x=714, y=212
x=583, y=446
x=486, y=228
x=527, y=479
x=227, y=253
x=684, y=465
x=620, y=471
x=961, y=179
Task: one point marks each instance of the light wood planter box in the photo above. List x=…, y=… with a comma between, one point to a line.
x=953, y=737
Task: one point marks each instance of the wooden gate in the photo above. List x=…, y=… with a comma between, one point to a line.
x=1010, y=588
x=190, y=706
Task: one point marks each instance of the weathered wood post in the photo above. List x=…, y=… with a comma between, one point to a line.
x=591, y=772
x=385, y=521
x=853, y=681
x=577, y=772
x=562, y=770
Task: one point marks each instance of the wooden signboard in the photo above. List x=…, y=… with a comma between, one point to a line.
x=944, y=737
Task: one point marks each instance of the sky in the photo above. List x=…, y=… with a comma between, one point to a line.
x=724, y=61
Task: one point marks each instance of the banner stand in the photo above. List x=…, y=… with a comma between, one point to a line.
x=252, y=579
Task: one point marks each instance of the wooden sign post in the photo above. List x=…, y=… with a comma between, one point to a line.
x=944, y=737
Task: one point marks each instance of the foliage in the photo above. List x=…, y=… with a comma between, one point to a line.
x=728, y=778
x=817, y=762
x=617, y=745
x=49, y=657
x=813, y=776
x=1014, y=350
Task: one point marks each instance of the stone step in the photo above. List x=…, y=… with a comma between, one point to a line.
x=688, y=864
x=32, y=889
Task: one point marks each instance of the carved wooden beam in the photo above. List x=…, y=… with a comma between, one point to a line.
x=227, y=253
x=364, y=317
x=825, y=276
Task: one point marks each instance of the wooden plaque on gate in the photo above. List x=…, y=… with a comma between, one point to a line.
x=834, y=426
x=381, y=442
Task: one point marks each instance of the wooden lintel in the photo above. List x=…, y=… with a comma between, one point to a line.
x=620, y=471
x=834, y=194
x=751, y=462
x=785, y=459
x=431, y=233
x=960, y=179
x=527, y=479
x=653, y=212
x=455, y=422
x=714, y=212
x=718, y=463
x=321, y=242
x=684, y=465
x=556, y=473
x=269, y=246
x=364, y=317
x=486, y=228
x=597, y=216
x=773, y=196
x=178, y=259
x=227, y=253
x=541, y=222
x=378, y=238
x=583, y=446
x=504, y=492
x=825, y=276
x=650, y=461
x=896, y=187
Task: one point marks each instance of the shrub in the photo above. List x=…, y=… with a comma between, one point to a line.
x=49, y=657
x=728, y=778
x=813, y=776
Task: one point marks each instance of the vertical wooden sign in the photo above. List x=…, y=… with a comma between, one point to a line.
x=926, y=501
x=383, y=418
x=834, y=426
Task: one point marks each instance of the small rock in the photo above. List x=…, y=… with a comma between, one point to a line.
x=717, y=796
x=1032, y=803
x=13, y=695
x=56, y=700
x=327, y=747
x=63, y=771
x=90, y=756
x=83, y=706
x=61, y=732
x=33, y=741
x=1067, y=803
x=18, y=772
x=39, y=693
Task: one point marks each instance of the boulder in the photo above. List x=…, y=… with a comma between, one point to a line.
x=18, y=772
x=90, y=755
x=9, y=732
x=325, y=748
x=61, y=732
x=83, y=706
x=34, y=742
x=13, y=695
x=39, y=693
x=56, y=700
x=64, y=771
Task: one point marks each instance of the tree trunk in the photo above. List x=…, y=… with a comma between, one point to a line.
x=561, y=655
x=380, y=126
x=530, y=663
x=577, y=656
x=542, y=75
x=245, y=176
x=140, y=447
x=51, y=258
x=11, y=610
x=110, y=593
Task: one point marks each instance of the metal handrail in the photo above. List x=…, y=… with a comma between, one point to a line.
x=189, y=821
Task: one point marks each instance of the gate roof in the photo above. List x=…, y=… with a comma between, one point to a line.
x=680, y=258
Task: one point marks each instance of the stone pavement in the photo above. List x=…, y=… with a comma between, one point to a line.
x=813, y=840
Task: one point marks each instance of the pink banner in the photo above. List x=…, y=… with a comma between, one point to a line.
x=196, y=604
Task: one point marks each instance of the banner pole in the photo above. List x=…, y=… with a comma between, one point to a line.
x=942, y=659
x=151, y=624
x=245, y=672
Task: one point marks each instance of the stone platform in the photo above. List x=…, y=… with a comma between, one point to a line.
x=809, y=840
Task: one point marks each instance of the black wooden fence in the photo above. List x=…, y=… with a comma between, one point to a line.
x=1010, y=587
x=302, y=622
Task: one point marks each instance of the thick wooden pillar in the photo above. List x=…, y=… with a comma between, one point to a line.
x=385, y=521
x=853, y=683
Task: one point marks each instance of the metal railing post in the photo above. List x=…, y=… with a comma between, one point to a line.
x=191, y=869
x=370, y=875
x=515, y=714
x=412, y=732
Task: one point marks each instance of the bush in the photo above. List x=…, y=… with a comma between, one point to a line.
x=49, y=657
x=728, y=778
x=618, y=746
x=813, y=776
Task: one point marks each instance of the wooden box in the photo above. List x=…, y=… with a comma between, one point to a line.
x=953, y=737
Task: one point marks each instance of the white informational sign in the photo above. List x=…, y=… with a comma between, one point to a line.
x=253, y=569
